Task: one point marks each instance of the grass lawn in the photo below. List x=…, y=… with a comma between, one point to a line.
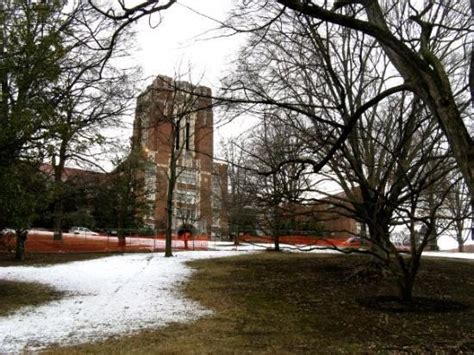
x=14, y=295
x=296, y=303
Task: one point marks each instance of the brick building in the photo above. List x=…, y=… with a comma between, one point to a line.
x=174, y=127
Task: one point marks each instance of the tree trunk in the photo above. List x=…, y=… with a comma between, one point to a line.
x=21, y=236
x=405, y=289
x=276, y=239
x=460, y=242
x=186, y=237
x=407, y=272
x=121, y=237
x=169, y=230
x=472, y=217
x=169, y=210
x=430, y=82
x=276, y=231
x=236, y=237
x=433, y=243
x=58, y=220
x=59, y=189
x=471, y=69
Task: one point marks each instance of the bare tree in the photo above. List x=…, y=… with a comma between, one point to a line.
x=337, y=80
x=427, y=44
x=272, y=142
x=91, y=96
x=241, y=200
x=458, y=211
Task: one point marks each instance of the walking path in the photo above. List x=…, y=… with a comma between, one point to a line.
x=105, y=297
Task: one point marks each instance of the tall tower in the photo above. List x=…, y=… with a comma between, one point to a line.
x=174, y=127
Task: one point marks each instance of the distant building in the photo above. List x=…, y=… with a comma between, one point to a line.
x=330, y=217
x=174, y=121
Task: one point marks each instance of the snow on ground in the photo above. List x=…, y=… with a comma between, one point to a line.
x=446, y=254
x=105, y=297
x=112, y=296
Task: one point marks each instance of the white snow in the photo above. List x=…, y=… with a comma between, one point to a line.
x=105, y=297
x=112, y=296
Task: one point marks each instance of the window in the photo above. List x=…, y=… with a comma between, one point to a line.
x=216, y=185
x=177, y=137
x=145, y=129
x=186, y=214
x=187, y=133
x=150, y=181
x=186, y=197
x=215, y=203
x=187, y=176
x=216, y=220
x=216, y=192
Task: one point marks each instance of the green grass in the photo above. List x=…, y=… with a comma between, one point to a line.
x=294, y=303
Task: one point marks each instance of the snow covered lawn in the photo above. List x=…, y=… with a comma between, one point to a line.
x=105, y=297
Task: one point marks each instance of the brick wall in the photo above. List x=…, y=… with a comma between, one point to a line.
x=175, y=118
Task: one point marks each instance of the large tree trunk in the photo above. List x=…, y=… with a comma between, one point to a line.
x=405, y=289
x=471, y=71
x=429, y=80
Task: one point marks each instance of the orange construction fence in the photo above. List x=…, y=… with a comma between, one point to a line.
x=43, y=242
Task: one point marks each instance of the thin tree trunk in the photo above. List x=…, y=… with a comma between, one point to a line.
x=58, y=220
x=277, y=243
x=169, y=205
x=21, y=236
x=59, y=190
x=236, y=236
x=169, y=229
x=276, y=230
x=460, y=242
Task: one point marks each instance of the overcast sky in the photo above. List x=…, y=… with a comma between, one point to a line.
x=184, y=39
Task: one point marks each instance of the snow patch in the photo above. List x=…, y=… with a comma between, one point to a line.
x=104, y=297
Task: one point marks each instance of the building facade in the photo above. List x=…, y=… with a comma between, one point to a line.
x=174, y=127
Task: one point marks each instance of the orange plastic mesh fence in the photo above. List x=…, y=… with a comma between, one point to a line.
x=42, y=243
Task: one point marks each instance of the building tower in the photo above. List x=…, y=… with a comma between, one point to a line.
x=174, y=128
